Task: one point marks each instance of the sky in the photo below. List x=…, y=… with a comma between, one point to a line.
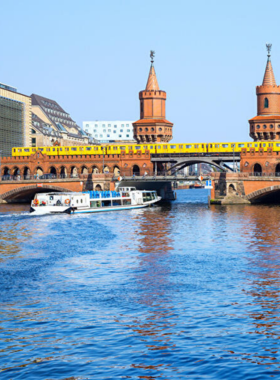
x=92, y=57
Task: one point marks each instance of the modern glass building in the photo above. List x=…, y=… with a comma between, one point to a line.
x=109, y=131
x=15, y=119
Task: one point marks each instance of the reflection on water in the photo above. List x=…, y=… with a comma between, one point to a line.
x=171, y=292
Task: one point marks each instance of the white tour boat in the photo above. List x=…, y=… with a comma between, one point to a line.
x=92, y=201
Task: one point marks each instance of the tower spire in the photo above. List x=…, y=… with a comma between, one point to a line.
x=268, y=79
x=152, y=83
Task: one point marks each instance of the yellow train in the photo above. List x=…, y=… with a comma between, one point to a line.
x=195, y=148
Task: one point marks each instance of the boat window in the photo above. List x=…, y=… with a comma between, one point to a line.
x=117, y=202
x=77, y=201
x=94, y=204
x=81, y=201
x=188, y=146
x=106, y=203
x=126, y=202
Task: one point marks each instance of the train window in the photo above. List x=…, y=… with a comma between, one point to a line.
x=95, y=148
x=53, y=149
x=172, y=146
x=115, y=147
x=26, y=150
x=34, y=150
x=81, y=148
x=241, y=145
x=188, y=146
x=151, y=147
x=256, y=145
x=88, y=148
x=202, y=146
x=210, y=145
x=264, y=145
x=158, y=146
x=181, y=146
x=122, y=147
x=145, y=147
x=130, y=147
x=225, y=145
x=277, y=144
x=74, y=149
x=138, y=147
x=48, y=149
x=19, y=150
x=250, y=145
x=164, y=146
x=40, y=149
x=60, y=149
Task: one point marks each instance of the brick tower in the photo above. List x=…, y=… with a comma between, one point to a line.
x=266, y=125
x=152, y=126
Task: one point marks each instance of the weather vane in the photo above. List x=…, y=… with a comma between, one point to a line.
x=152, y=54
x=268, y=47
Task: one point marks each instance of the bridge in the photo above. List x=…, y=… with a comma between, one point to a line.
x=178, y=161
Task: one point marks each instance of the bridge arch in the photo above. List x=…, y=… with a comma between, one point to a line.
x=183, y=163
x=269, y=194
x=26, y=193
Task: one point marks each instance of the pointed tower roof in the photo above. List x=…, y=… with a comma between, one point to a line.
x=152, y=83
x=268, y=79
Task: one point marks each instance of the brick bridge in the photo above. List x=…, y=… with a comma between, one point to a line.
x=236, y=188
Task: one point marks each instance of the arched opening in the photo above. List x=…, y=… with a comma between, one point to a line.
x=84, y=170
x=231, y=189
x=106, y=169
x=266, y=103
x=257, y=170
x=6, y=173
x=16, y=173
x=63, y=172
x=117, y=171
x=135, y=170
x=277, y=170
x=74, y=172
x=53, y=171
x=38, y=172
x=98, y=187
x=95, y=170
x=26, y=173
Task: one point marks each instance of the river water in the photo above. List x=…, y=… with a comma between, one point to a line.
x=171, y=292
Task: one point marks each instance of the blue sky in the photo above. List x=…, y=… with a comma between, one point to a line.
x=92, y=57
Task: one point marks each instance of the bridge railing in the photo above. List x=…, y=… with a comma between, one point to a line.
x=264, y=174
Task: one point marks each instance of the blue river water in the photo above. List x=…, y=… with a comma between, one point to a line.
x=176, y=291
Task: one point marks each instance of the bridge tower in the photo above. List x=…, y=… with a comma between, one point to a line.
x=266, y=125
x=152, y=126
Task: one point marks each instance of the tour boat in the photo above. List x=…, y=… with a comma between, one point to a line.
x=92, y=201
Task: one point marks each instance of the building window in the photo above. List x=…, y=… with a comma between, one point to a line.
x=271, y=126
x=33, y=131
x=108, y=135
x=100, y=135
x=122, y=125
x=33, y=141
x=87, y=125
x=127, y=135
x=115, y=126
x=103, y=125
x=264, y=127
x=96, y=125
x=109, y=125
x=265, y=103
x=258, y=127
x=128, y=130
x=121, y=130
x=120, y=135
x=104, y=130
x=109, y=130
x=127, y=125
